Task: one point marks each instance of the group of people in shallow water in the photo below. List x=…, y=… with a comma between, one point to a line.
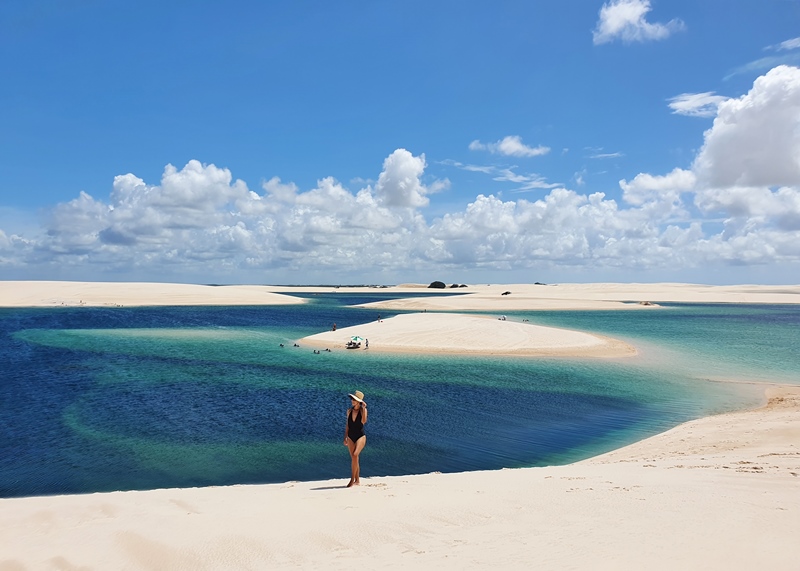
x=316, y=351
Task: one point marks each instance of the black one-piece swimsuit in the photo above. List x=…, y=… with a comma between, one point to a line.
x=355, y=428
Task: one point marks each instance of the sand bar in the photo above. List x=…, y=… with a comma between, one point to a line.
x=595, y=296
x=721, y=492
x=472, y=298
x=470, y=334
x=113, y=294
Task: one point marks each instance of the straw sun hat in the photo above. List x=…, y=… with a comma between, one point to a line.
x=358, y=395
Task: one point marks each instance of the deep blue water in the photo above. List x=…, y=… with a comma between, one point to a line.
x=98, y=399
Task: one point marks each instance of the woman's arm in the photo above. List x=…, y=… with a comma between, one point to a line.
x=364, y=413
x=345, y=427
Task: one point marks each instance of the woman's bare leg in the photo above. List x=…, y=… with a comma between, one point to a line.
x=356, y=468
x=351, y=447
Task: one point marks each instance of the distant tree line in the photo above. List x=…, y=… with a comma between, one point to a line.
x=442, y=285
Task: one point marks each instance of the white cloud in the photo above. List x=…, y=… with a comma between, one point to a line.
x=399, y=184
x=286, y=193
x=645, y=186
x=786, y=45
x=144, y=217
x=607, y=155
x=755, y=139
x=359, y=180
x=201, y=220
x=526, y=181
x=760, y=205
x=625, y=20
x=765, y=63
x=486, y=169
x=739, y=204
x=747, y=173
x=479, y=168
x=660, y=197
x=563, y=227
x=511, y=146
x=531, y=181
x=696, y=104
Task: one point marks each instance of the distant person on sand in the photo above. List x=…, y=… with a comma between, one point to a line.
x=354, y=437
x=334, y=327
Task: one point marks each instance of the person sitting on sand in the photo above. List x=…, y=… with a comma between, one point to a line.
x=354, y=437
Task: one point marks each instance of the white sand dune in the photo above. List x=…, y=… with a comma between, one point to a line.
x=587, y=296
x=55, y=294
x=466, y=334
x=721, y=492
x=473, y=297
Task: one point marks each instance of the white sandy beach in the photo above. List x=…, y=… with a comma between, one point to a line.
x=112, y=294
x=466, y=334
x=721, y=492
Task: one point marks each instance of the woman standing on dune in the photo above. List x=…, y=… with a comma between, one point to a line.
x=354, y=437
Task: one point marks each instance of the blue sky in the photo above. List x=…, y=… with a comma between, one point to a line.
x=383, y=142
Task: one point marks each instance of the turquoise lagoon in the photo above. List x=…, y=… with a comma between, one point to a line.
x=99, y=399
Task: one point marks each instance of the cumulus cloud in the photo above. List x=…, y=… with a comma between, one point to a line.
x=738, y=204
x=142, y=222
x=200, y=218
x=659, y=196
x=755, y=205
x=696, y=104
x=645, y=186
x=563, y=227
x=399, y=184
x=625, y=20
x=511, y=146
x=747, y=172
x=754, y=140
